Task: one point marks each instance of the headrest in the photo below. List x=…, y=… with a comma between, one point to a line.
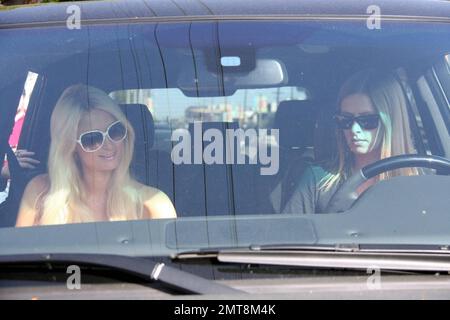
x=325, y=147
x=142, y=121
x=296, y=120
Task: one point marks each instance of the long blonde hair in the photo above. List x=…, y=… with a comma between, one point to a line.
x=64, y=200
x=387, y=97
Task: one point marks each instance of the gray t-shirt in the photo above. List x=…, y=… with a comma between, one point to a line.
x=307, y=197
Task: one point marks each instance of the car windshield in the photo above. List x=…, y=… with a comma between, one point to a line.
x=150, y=138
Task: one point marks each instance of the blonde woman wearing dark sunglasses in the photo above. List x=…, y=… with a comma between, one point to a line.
x=88, y=178
x=371, y=124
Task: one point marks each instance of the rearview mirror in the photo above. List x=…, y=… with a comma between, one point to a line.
x=266, y=73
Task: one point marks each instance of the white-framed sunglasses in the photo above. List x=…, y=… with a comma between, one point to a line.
x=92, y=141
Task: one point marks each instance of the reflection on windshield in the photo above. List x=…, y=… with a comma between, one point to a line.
x=183, y=134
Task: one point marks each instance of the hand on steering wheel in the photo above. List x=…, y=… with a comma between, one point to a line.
x=346, y=195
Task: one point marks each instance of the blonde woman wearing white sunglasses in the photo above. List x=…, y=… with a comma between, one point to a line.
x=88, y=178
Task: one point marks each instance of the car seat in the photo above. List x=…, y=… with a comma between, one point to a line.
x=149, y=166
x=295, y=120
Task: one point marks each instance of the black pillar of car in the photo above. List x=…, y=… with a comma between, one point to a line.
x=10, y=99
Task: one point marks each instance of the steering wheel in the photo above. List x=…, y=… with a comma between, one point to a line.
x=346, y=194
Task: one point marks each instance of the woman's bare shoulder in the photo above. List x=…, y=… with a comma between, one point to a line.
x=148, y=192
x=156, y=203
x=27, y=211
x=35, y=188
x=38, y=184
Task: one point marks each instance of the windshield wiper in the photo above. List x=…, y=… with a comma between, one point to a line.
x=353, y=256
x=143, y=268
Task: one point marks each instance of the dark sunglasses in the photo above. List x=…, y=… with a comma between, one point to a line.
x=92, y=141
x=366, y=122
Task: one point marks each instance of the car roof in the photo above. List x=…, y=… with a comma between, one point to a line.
x=157, y=9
